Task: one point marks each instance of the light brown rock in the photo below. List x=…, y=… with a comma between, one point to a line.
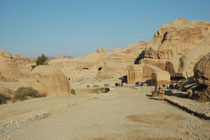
x=49, y=80
x=19, y=56
x=182, y=66
x=112, y=63
x=160, y=78
x=135, y=74
x=179, y=37
x=180, y=44
x=202, y=71
x=102, y=50
x=8, y=67
x=140, y=73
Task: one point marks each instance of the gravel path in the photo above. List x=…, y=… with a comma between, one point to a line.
x=124, y=113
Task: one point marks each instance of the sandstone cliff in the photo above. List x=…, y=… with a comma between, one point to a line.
x=179, y=37
x=48, y=80
x=102, y=64
x=8, y=67
x=176, y=47
x=202, y=76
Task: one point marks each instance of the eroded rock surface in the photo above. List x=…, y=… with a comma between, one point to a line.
x=160, y=78
x=181, y=43
x=49, y=80
x=202, y=77
x=8, y=67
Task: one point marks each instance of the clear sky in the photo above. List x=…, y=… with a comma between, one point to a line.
x=78, y=27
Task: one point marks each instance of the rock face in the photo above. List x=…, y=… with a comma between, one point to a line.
x=182, y=66
x=140, y=73
x=102, y=64
x=48, y=80
x=181, y=43
x=102, y=50
x=19, y=56
x=202, y=76
x=116, y=62
x=160, y=78
x=177, y=38
x=135, y=74
x=202, y=71
x=8, y=67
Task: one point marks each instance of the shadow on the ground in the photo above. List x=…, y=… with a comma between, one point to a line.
x=152, y=98
x=178, y=94
x=170, y=93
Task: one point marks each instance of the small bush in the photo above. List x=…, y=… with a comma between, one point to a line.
x=41, y=60
x=28, y=91
x=24, y=93
x=20, y=96
x=4, y=99
x=33, y=66
x=96, y=86
x=106, y=85
x=73, y=91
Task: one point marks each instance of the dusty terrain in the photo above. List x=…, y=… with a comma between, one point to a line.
x=123, y=113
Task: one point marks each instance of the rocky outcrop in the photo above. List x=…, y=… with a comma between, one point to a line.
x=19, y=56
x=182, y=66
x=115, y=64
x=8, y=67
x=102, y=63
x=102, y=50
x=48, y=80
x=180, y=44
x=202, y=76
x=202, y=71
x=160, y=78
x=177, y=38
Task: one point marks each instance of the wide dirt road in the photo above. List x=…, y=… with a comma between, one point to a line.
x=124, y=113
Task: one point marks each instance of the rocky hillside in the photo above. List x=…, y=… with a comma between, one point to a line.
x=181, y=43
x=176, y=48
x=15, y=72
x=102, y=64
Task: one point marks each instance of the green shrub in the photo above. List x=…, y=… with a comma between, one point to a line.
x=106, y=85
x=41, y=60
x=28, y=91
x=73, y=91
x=20, y=96
x=96, y=86
x=4, y=99
x=33, y=66
x=24, y=93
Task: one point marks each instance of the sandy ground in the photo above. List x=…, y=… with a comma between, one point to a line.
x=124, y=113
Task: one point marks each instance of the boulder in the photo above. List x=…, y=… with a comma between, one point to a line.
x=160, y=78
x=202, y=71
x=48, y=80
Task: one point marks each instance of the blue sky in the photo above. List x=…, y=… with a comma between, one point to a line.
x=78, y=27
